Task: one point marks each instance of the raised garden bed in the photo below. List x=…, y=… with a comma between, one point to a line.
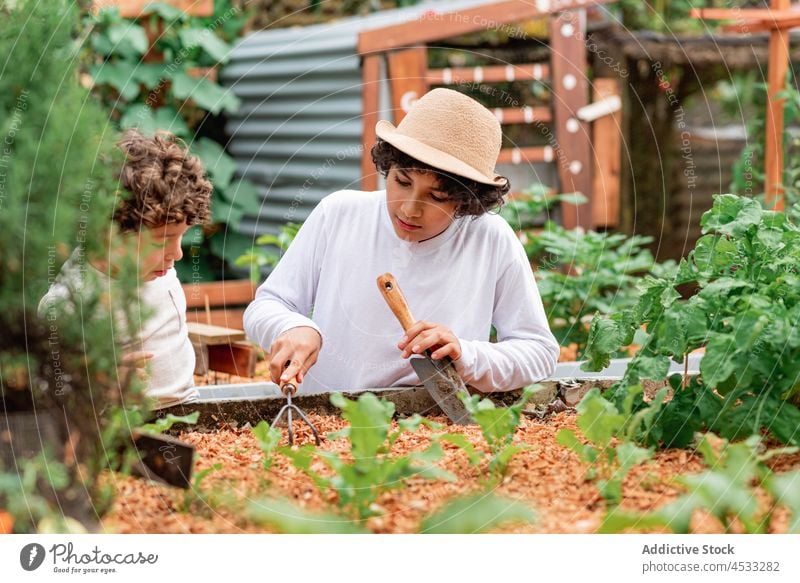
x=546, y=476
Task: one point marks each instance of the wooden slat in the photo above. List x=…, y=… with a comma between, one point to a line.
x=212, y=335
x=370, y=79
x=776, y=75
x=407, y=74
x=219, y=293
x=136, y=8
x=434, y=25
x=526, y=155
x=570, y=88
x=492, y=74
x=229, y=318
x=774, y=13
x=524, y=115
x=607, y=140
x=751, y=27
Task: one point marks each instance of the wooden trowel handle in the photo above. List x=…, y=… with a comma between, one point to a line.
x=394, y=297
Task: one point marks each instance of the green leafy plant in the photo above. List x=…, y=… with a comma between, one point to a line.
x=609, y=459
x=196, y=495
x=23, y=491
x=267, y=251
x=164, y=424
x=727, y=491
x=268, y=439
x=665, y=16
x=171, y=86
x=369, y=469
x=578, y=273
x=744, y=315
x=498, y=426
x=476, y=514
x=289, y=518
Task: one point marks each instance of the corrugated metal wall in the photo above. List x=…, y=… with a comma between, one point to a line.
x=298, y=133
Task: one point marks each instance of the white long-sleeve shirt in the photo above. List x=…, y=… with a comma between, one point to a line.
x=170, y=372
x=472, y=276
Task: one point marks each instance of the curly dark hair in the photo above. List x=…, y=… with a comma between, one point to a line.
x=472, y=198
x=166, y=183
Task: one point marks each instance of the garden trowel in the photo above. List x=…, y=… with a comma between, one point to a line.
x=438, y=376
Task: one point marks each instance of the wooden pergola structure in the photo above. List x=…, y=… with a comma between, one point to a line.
x=778, y=20
x=577, y=122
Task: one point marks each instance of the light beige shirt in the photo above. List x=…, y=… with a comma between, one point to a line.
x=164, y=334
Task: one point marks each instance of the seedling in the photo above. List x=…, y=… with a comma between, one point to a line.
x=727, y=491
x=609, y=462
x=498, y=425
x=368, y=470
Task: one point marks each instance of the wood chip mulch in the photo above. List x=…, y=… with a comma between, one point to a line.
x=546, y=476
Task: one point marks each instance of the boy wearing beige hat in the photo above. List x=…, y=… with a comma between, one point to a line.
x=461, y=267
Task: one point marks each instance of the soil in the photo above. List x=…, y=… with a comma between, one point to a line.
x=546, y=476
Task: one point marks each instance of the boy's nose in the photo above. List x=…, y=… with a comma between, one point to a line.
x=174, y=252
x=411, y=208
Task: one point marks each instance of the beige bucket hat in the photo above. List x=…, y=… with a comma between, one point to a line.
x=449, y=131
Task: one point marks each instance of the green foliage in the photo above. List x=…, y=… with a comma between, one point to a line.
x=609, y=460
x=498, y=425
x=744, y=314
x=177, y=93
x=727, y=491
x=196, y=495
x=268, y=439
x=164, y=424
x=57, y=192
x=23, y=491
x=666, y=16
x=268, y=256
x=578, y=273
x=476, y=514
x=289, y=518
x=368, y=470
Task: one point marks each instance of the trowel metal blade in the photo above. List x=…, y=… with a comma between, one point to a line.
x=444, y=385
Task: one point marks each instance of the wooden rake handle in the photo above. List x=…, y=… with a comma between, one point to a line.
x=395, y=299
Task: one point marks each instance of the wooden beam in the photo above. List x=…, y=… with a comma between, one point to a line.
x=570, y=94
x=219, y=293
x=776, y=82
x=370, y=92
x=523, y=115
x=525, y=155
x=607, y=141
x=212, y=335
x=744, y=13
x=137, y=8
x=492, y=74
x=433, y=25
x=407, y=73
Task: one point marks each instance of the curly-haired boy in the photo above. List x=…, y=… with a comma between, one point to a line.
x=165, y=192
x=461, y=267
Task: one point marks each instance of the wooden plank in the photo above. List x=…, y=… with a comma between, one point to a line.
x=751, y=27
x=370, y=80
x=228, y=318
x=774, y=13
x=234, y=292
x=525, y=155
x=607, y=141
x=136, y=8
x=570, y=93
x=523, y=115
x=492, y=74
x=237, y=359
x=776, y=75
x=433, y=25
x=407, y=79
x=213, y=335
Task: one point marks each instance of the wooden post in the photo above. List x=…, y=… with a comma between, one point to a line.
x=776, y=81
x=370, y=75
x=570, y=93
x=408, y=71
x=607, y=140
